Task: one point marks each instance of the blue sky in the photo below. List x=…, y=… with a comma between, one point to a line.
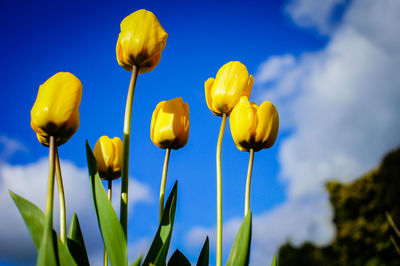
x=322, y=64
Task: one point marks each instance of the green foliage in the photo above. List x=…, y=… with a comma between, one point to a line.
x=159, y=247
x=34, y=219
x=178, y=259
x=110, y=227
x=362, y=231
x=75, y=242
x=204, y=254
x=274, y=261
x=240, y=252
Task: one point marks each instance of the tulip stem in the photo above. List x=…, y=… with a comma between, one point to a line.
x=50, y=190
x=109, y=194
x=163, y=181
x=219, y=192
x=248, y=182
x=61, y=199
x=125, y=152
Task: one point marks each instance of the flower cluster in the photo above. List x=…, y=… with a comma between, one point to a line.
x=55, y=119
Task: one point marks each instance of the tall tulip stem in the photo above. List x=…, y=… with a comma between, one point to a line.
x=219, y=192
x=61, y=199
x=50, y=189
x=125, y=152
x=248, y=182
x=109, y=195
x=163, y=181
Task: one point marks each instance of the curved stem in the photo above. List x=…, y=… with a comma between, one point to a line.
x=163, y=181
x=248, y=182
x=50, y=189
x=125, y=152
x=109, y=194
x=219, y=192
x=61, y=199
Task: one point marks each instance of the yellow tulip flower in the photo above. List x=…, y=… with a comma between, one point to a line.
x=170, y=124
x=254, y=127
x=141, y=41
x=56, y=109
x=108, y=154
x=223, y=92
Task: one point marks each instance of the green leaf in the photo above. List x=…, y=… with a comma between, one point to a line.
x=33, y=217
x=34, y=220
x=240, y=252
x=75, y=242
x=64, y=256
x=274, y=261
x=178, y=259
x=137, y=261
x=160, y=245
x=204, y=254
x=110, y=227
x=47, y=254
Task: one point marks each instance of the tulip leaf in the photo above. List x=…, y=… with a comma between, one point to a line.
x=34, y=220
x=137, y=261
x=274, y=261
x=47, y=254
x=75, y=242
x=240, y=252
x=33, y=217
x=160, y=245
x=110, y=227
x=178, y=259
x=204, y=254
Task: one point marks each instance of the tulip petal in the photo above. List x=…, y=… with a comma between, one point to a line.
x=243, y=122
x=231, y=82
x=141, y=41
x=55, y=111
x=208, y=86
x=268, y=125
x=249, y=86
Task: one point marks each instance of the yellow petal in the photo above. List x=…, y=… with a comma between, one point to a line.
x=117, y=163
x=268, y=125
x=208, y=86
x=142, y=39
x=243, y=123
x=232, y=82
x=170, y=124
x=108, y=154
x=55, y=111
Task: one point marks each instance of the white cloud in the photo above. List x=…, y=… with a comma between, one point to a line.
x=273, y=69
x=341, y=106
x=10, y=146
x=30, y=182
x=314, y=14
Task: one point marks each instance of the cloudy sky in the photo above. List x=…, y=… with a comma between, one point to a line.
x=330, y=67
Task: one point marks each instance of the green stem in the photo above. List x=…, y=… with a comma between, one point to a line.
x=248, y=182
x=219, y=192
x=109, y=193
x=50, y=190
x=125, y=152
x=163, y=181
x=61, y=199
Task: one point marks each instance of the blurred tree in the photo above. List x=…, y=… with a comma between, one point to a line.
x=362, y=230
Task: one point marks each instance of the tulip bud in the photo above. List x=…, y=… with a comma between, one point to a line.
x=223, y=92
x=141, y=41
x=56, y=109
x=170, y=124
x=254, y=127
x=108, y=154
